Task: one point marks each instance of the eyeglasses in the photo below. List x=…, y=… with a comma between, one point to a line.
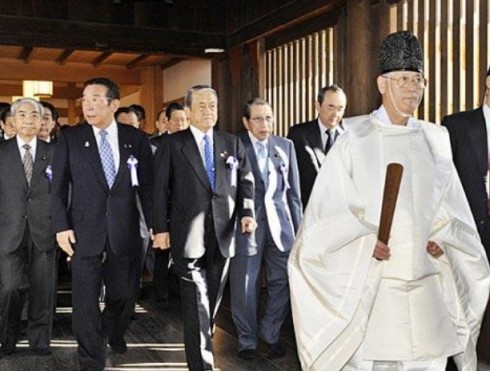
x=93, y=100
x=402, y=81
x=260, y=119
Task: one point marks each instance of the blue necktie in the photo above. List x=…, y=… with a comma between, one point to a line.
x=107, y=158
x=208, y=161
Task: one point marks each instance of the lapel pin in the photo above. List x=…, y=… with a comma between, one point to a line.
x=223, y=154
x=44, y=157
x=87, y=144
x=128, y=146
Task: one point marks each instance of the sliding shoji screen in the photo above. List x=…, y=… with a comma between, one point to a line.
x=295, y=73
x=454, y=35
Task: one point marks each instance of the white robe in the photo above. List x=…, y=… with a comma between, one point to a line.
x=333, y=278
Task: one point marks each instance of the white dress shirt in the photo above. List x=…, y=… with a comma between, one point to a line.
x=32, y=143
x=199, y=138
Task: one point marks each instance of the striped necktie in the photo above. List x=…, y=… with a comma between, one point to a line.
x=28, y=163
x=107, y=158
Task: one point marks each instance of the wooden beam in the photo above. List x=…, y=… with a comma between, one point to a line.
x=135, y=62
x=306, y=28
x=101, y=58
x=63, y=57
x=72, y=72
x=289, y=14
x=26, y=54
x=172, y=62
x=17, y=30
x=70, y=92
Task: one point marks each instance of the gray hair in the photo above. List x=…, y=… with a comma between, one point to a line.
x=197, y=88
x=32, y=101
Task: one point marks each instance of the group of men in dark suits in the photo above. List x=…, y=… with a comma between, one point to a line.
x=202, y=194
x=205, y=199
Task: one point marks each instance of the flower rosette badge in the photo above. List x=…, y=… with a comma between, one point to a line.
x=132, y=166
x=49, y=173
x=284, y=171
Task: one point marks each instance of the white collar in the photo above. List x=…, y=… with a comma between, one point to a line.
x=255, y=141
x=382, y=115
x=111, y=129
x=199, y=135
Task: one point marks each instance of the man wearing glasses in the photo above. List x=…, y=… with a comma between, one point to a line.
x=99, y=169
x=278, y=212
x=360, y=304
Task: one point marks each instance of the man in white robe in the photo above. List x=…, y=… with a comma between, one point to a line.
x=359, y=304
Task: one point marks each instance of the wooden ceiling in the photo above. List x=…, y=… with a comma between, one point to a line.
x=71, y=41
x=69, y=68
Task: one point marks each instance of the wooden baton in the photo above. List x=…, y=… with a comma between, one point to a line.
x=394, y=172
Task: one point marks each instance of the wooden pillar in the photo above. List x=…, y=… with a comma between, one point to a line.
x=73, y=111
x=368, y=23
x=238, y=76
x=151, y=95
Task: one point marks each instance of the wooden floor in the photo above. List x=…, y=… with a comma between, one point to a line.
x=155, y=341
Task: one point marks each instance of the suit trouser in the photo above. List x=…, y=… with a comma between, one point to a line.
x=93, y=329
x=245, y=283
x=161, y=274
x=202, y=282
x=27, y=271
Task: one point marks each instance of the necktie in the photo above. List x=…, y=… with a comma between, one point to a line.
x=331, y=137
x=208, y=161
x=262, y=161
x=28, y=163
x=107, y=158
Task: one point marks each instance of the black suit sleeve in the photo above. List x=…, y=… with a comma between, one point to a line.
x=161, y=189
x=454, y=136
x=60, y=186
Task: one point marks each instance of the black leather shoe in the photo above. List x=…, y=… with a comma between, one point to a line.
x=119, y=347
x=247, y=354
x=8, y=348
x=42, y=352
x=277, y=350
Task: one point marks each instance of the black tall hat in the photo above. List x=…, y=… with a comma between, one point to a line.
x=400, y=51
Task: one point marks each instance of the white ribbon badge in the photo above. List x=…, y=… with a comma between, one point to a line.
x=232, y=162
x=132, y=165
x=284, y=171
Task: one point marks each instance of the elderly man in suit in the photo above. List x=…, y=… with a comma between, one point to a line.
x=27, y=245
x=105, y=165
x=313, y=140
x=278, y=212
x=205, y=188
x=469, y=131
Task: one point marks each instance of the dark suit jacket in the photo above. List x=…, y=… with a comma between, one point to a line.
x=23, y=206
x=183, y=198
x=271, y=211
x=468, y=135
x=97, y=212
x=307, y=141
